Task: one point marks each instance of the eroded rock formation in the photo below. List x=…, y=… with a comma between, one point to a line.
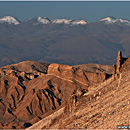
x=73, y=74
x=29, y=91
x=120, y=61
x=118, y=66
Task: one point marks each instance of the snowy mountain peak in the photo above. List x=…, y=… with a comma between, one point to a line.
x=108, y=19
x=124, y=21
x=62, y=21
x=111, y=20
x=44, y=20
x=9, y=20
x=69, y=21
x=79, y=22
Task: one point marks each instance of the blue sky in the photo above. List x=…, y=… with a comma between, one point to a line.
x=89, y=11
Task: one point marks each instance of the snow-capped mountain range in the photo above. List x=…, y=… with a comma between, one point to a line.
x=45, y=20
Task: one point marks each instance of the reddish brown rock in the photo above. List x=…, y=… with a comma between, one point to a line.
x=74, y=74
x=119, y=61
x=29, y=91
x=114, y=71
x=104, y=106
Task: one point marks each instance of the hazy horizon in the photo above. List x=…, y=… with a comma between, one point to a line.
x=89, y=11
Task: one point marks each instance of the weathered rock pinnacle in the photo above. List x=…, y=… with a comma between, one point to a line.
x=117, y=67
x=119, y=61
x=114, y=70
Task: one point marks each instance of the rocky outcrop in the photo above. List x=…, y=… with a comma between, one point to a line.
x=118, y=66
x=119, y=61
x=114, y=70
x=73, y=74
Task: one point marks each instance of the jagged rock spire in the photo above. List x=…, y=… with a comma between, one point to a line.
x=119, y=61
x=114, y=70
x=117, y=67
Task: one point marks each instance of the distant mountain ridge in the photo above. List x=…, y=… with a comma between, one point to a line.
x=63, y=41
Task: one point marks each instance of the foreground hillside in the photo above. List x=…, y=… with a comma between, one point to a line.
x=104, y=106
x=36, y=95
x=31, y=91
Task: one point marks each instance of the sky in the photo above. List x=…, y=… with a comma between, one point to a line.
x=89, y=11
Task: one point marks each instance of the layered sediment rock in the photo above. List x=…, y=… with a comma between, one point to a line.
x=74, y=74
